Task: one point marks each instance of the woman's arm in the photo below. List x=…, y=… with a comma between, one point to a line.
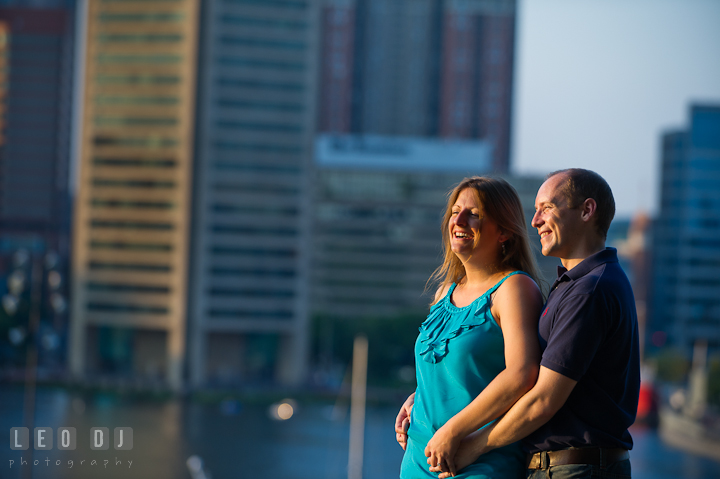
x=516, y=307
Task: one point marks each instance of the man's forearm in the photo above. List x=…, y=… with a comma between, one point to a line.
x=525, y=417
x=530, y=412
x=510, y=428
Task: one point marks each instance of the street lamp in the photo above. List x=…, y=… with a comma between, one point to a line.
x=30, y=332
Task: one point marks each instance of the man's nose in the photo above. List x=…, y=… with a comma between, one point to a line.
x=536, y=220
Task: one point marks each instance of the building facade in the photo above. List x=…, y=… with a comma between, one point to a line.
x=438, y=68
x=686, y=289
x=249, y=285
x=36, y=65
x=379, y=203
x=132, y=208
x=36, y=54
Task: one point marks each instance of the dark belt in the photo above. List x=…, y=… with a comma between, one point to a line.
x=594, y=456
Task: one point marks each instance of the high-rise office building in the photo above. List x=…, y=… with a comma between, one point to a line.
x=132, y=211
x=686, y=289
x=419, y=68
x=249, y=283
x=36, y=58
x=378, y=205
x=36, y=65
x=478, y=51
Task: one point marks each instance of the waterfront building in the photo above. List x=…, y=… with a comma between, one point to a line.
x=36, y=65
x=249, y=286
x=419, y=68
x=686, y=287
x=132, y=207
x=36, y=61
x=379, y=203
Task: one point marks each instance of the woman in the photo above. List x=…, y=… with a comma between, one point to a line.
x=477, y=352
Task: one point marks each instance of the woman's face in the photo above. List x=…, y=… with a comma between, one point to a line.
x=471, y=232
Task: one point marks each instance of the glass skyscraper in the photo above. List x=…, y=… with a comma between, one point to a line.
x=686, y=304
x=256, y=120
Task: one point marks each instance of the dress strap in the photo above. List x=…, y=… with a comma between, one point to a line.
x=497, y=285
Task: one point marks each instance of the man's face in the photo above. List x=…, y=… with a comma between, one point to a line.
x=558, y=225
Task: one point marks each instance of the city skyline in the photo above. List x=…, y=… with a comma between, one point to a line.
x=598, y=82
x=196, y=206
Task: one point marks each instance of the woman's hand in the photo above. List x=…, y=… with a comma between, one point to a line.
x=465, y=454
x=441, y=449
x=402, y=421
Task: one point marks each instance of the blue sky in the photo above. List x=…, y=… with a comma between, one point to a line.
x=598, y=81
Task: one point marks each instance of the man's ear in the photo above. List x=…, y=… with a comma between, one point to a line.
x=588, y=209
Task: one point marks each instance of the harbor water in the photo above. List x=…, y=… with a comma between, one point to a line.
x=236, y=440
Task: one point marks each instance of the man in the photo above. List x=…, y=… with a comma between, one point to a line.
x=575, y=420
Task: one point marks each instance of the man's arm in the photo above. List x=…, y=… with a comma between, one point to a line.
x=533, y=410
x=530, y=412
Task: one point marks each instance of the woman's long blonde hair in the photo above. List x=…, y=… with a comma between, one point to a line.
x=501, y=203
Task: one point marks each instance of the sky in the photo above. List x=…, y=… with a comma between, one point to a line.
x=598, y=81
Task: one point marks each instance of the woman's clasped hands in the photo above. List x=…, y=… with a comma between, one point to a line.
x=441, y=450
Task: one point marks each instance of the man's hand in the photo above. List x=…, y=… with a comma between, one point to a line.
x=402, y=421
x=467, y=453
x=441, y=449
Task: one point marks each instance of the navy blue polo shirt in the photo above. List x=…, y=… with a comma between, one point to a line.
x=588, y=332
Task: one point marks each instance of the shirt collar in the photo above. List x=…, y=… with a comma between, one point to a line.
x=608, y=255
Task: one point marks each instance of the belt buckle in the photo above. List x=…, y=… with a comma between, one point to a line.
x=544, y=460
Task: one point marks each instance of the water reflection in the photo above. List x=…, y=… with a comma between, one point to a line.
x=233, y=440
x=652, y=459
x=237, y=440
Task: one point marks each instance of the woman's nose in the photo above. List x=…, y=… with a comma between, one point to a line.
x=462, y=218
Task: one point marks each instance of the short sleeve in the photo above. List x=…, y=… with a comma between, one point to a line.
x=578, y=330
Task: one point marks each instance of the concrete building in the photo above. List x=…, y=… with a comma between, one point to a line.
x=686, y=290
x=257, y=97
x=478, y=53
x=36, y=64
x=379, y=203
x=36, y=61
x=132, y=210
x=438, y=68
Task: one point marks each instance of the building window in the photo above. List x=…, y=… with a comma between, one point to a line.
x=129, y=246
x=126, y=288
x=105, y=182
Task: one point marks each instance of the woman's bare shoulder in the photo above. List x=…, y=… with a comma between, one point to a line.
x=521, y=282
x=519, y=287
x=441, y=292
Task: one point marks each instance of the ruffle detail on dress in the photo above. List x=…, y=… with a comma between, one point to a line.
x=445, y=322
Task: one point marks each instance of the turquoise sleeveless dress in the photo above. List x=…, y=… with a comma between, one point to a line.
x=458, y=352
